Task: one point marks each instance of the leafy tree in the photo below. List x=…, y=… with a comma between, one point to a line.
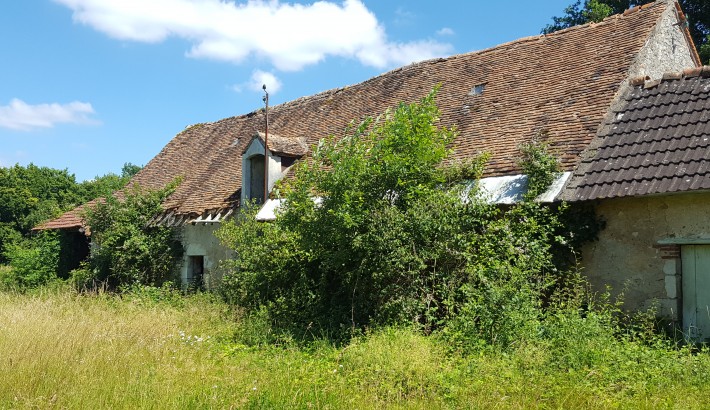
x=129, y=170
x=697, y=12
x=126, y=249
x=30, y=195
x=392, y=242
x=104, y=186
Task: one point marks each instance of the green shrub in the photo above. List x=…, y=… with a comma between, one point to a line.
x=84, y=279
x=34, y=261
x=392, y=243
x=126, y=249
x=7, y=278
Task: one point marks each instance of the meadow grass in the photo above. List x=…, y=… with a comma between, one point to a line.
x=60, y=349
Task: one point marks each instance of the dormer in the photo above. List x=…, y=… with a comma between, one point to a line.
x=282, y=152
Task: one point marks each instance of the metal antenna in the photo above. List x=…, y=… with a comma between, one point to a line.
x=266, y=143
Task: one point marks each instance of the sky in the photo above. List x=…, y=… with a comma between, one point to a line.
x=88, y=85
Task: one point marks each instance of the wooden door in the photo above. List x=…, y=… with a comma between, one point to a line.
x=696, y=291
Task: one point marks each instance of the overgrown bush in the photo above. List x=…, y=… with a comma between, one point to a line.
x=391, y=240
x=126, y=249
x=33, y=261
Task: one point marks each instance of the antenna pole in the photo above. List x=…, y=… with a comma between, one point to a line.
x=266, y=143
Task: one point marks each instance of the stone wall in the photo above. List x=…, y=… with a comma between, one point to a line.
x=666, y=50
x=639, y=250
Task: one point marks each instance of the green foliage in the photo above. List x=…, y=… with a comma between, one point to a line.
x=394, y=364
x=540, y=166
x=129, y=170
x=33, y=262
x=125, y=248
x=84, y=278
x=597, y=11
x=30, y=195
x=390, y=241
x=697, y=12
x=704, y=50
x=142, y=351
x=104, y=186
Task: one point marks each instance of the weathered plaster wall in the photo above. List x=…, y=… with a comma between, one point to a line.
x=666, y=50
x=199, y=240
x=633, y=255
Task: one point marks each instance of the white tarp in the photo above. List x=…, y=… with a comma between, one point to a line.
x=503, y=190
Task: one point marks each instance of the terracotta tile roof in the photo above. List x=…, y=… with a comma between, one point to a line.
x=658, y=141
x=69, y=220
x=496, y=98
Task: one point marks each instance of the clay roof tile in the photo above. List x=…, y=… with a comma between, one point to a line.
x=562, y=82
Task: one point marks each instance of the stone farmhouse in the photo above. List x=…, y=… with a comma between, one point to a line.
x=632, y=140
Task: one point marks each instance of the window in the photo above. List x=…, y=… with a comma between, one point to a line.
x=287, y=162
x=256, y=182
x=477, y=89
x=196, y=271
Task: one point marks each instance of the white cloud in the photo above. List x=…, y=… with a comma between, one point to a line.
x=290, y=36
x=445, y=31
x=257, y=80
x=19, y=115
x=260, y=78
x=403, y=17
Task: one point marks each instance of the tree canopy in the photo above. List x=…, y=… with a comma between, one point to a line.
x=697, y=12
x=31, y=194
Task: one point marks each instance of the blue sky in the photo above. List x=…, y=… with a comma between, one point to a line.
x=88, y=85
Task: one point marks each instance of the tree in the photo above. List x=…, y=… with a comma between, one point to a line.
x=30, y=195
x=104, y=186
x=129, y=170
x=697, y=12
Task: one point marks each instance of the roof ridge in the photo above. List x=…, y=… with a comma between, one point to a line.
x=436, y=60
x=647, y=82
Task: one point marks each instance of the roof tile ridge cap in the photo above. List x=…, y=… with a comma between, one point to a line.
x=332, y=91
x=702, y=71
x=526, y=39
x=435, y=60
x=198, y=124
x=411, y=66
x=645, y=6
x=414, y=65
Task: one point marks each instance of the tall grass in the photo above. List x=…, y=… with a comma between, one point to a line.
x=59, y=349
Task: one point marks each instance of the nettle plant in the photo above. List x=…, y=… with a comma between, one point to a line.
x=397, y=239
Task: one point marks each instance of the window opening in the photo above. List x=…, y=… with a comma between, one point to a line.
x=287, y=162
x=196, y=271
x=477, y=89
x=256, y=184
